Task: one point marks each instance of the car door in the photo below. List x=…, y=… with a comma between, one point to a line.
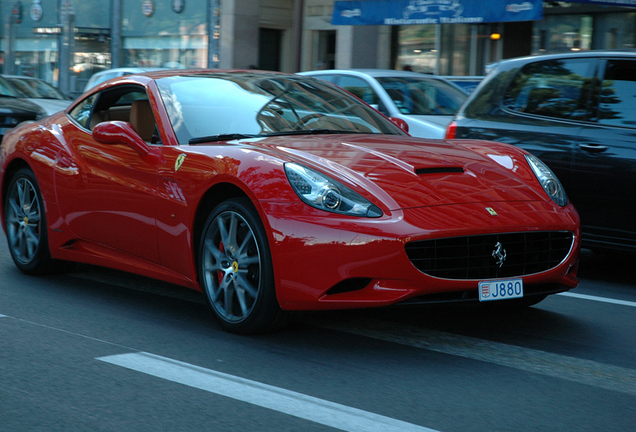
x=107, y=192
x=604, y=162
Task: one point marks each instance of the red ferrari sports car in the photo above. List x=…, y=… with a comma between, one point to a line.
x=272, y=193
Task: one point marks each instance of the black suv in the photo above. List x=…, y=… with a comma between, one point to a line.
x=576, y=112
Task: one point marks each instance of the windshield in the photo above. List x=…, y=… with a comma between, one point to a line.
x=233, y=105
x=6, y=89
x=423, y=96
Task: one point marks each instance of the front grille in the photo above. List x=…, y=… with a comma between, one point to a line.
x=471, y=257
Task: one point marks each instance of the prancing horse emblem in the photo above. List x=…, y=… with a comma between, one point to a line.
x=179, y=161
x=499, y=254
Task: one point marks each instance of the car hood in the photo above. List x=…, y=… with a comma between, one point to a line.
x=406, y=172
x=10, y=105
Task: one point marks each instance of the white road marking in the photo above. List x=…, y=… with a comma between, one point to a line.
x=588, y=372
x=296, y=404
x=599, y=299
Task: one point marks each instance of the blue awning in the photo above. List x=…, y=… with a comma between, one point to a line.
x=404, y=12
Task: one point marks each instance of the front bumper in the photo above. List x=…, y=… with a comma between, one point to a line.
x=327, y=261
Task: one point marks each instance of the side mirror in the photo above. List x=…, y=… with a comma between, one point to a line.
x=402, y=124
x=120, y=132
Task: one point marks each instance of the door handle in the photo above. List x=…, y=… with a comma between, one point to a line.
x=593, y=148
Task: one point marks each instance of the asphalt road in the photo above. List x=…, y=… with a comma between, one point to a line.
x=97, y=350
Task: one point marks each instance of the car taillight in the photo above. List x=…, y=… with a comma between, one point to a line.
x=451, y=130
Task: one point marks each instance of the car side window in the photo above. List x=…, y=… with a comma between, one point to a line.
x=82, y=112
x=127, y=103
x=554, y=88
x=617, y=100
x=359, y=87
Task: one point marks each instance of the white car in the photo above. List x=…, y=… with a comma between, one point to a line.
x=41, y=93
x=426, y=103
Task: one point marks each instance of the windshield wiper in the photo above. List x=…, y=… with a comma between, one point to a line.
x=315, y=132
x=220, y=137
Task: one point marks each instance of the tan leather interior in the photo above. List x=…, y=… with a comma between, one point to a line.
x=142, y=120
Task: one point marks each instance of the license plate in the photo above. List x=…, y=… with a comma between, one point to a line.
x=500, y=289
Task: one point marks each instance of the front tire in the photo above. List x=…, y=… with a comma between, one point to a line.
x=235, y=267
x=25, y=224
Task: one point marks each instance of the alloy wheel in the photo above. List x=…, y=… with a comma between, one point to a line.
x=231, y=266
x=23, y=219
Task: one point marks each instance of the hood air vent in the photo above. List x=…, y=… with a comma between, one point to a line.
x=438, y=170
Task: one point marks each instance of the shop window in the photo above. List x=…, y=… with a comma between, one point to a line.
x=416, y=48
x=563, y=33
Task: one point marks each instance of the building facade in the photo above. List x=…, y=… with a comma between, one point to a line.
x=65, y=41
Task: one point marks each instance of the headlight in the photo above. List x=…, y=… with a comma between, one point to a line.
x=550, y=183
x=323, y=193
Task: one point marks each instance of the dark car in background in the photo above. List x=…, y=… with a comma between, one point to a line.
x=39, y=92
x=577, y=113
x=14, y=109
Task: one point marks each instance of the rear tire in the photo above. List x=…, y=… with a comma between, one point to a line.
x=236, y=272
x=25, y=224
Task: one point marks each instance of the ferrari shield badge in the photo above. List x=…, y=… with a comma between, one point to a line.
x=491, y=211
x=179, y=161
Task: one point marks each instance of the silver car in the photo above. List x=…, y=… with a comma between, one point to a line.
x=426, y=103
x=105, y=75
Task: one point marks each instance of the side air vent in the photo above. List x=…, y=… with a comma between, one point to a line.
x=348, y=285
x=438, y=170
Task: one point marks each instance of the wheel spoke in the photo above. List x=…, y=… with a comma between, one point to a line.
x=31, y=241
x=33, y=216
x=240, y=296
x=245, y=284
x=215, y=292
x=216, y=253
x=20, y=244
x=228, y=297
x=21, y=192
x=15, y=209
x=231, y=242
x=227, y=234
x=242, y=250
x=33, y=201
x=247, y=260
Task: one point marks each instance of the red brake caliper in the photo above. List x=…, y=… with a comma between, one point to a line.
x=219, y=273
